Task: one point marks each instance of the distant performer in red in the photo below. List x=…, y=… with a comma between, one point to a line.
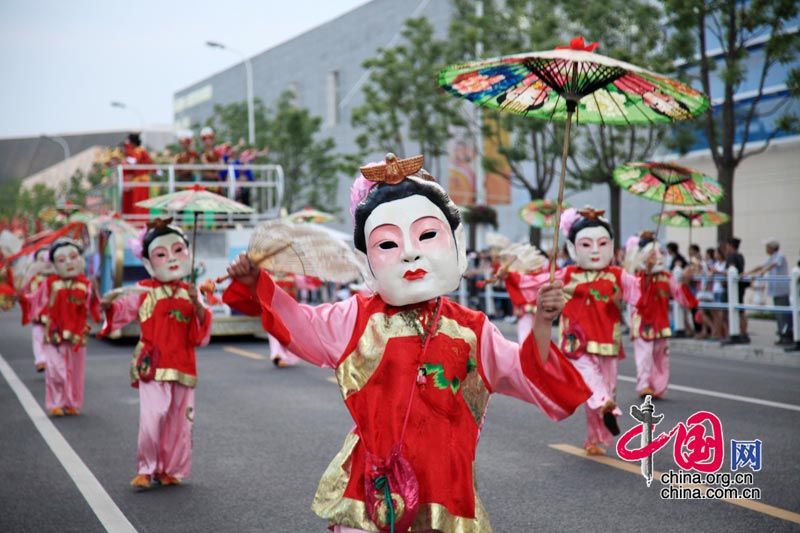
x=64, y=302
x=135, y=154
x=173, y=322
x=35, y=275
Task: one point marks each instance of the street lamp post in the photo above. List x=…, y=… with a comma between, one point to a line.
x=248, y=71
x=64, y=146
x=123, y=105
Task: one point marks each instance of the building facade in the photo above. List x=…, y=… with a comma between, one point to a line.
x=323, y=68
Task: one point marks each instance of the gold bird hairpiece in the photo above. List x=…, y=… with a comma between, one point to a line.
x=158, y=223
x=395, y=170
x=591, y=212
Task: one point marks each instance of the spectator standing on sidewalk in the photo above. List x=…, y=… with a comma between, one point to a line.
x=776, y=265
x=735, y=259
x=718, y=291
x=675, y=257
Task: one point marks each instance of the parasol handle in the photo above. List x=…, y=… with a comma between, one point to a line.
x=561, y=182
x=194, y=248
x=258, y=260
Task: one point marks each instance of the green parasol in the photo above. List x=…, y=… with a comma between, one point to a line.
x=573, y=84
x=691, y=218
x=195, y=199
x=540, y=213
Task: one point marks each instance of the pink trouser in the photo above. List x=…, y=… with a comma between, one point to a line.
x=600, y=374
x=279, y=351
x=524, y=326
x=166, y=413
x=652, y=364
x=63, y=376
x=37, y=338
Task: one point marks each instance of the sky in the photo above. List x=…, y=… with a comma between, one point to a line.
x=63, y=62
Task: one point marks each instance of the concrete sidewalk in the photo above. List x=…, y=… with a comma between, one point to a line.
x=761, y=348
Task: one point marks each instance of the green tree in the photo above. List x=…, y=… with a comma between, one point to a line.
x=731, y=26
x=32, y=201
x=512, y=27
x=9, y=198
x=628, y=30
x=310, y=164
x=401, y=103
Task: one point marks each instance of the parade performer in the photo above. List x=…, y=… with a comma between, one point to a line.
x=280, y=355
x=173, y=322
x=187, y=157
x=415, y=369
x=135, y=154
x=64, y=302
x=36, y=275
x=591, y=322
x=650, y=328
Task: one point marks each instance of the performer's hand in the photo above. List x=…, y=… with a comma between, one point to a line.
x=105, y=304
x=243, y=270
x=192, y=290
x=549, y=301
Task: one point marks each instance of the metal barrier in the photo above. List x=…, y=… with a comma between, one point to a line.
x=732, y=279
x=265, y=190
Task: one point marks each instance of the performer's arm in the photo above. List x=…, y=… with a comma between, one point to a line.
x=682, y=294
x=39, y=299
x=317, y=334
x=631, y=287
x=201, y=327
x=530, y=284
x=120, y=312
x=518, y=371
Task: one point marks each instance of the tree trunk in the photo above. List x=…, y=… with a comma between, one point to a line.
x=725, y=175
x=615, y=201
x=535, y=236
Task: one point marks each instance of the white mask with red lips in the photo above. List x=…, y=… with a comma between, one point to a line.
x=68, y=262
x=593, y=248
x=412, y=254
x=169, y=258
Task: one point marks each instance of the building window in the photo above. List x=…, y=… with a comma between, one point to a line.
x=332, y=92
x=197, y=96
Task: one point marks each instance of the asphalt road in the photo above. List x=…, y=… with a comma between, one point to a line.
x=263, y=437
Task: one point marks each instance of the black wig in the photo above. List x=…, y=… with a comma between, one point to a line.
x=384, y=192
x=588, y=222
x=60, y=243
x=159, y=228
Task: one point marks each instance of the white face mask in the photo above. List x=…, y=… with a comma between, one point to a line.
x=644, y=253
x=593, y=248
x=170, y=258
x=412, y=255
x=68, y=262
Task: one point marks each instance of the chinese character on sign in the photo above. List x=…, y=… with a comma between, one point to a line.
x=744, y=453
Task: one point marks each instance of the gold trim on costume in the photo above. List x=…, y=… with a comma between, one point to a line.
x=170, y=374
x=158, y=293
x=329, y=502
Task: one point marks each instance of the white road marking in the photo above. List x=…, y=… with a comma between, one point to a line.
x=93, y=492
x=725, y=395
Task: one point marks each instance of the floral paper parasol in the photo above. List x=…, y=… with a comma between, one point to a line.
x=692, y=218
x=573, y=84
x=540, y=213
x=668, y=183
x=308, y=214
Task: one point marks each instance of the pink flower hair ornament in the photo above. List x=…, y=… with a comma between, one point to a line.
x=568, y=218
x=135, y=243
x=359, y=190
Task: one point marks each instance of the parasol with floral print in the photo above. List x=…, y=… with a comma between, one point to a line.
x=692, y=218
x=540, y=213
x=573, y=84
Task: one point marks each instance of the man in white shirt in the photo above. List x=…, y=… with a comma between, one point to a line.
x=776, y=265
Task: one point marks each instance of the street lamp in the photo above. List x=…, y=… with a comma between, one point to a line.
x=248, y=71
x=64, y=146
x=123, y=105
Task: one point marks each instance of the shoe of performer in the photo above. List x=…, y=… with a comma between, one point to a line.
x=594, y=449
x=609, y=419
x=56, y=411
x=40, y=367
x=72, y=411
x=141, y=481
x=647, y=391
x=166, y=480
